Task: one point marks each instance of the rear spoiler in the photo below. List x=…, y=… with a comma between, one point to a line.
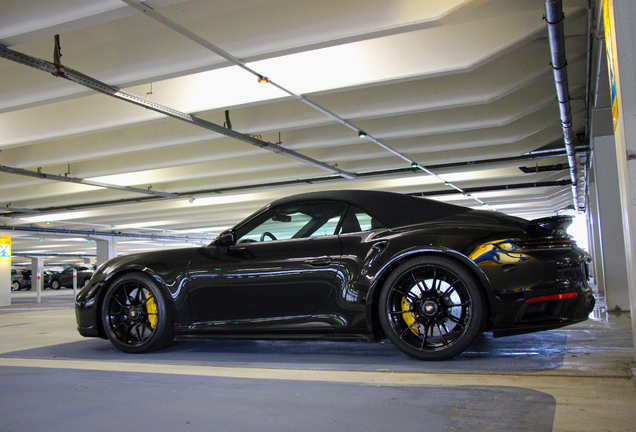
x=555, y=223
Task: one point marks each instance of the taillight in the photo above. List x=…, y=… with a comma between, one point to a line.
x=515, y=245
x=546, y=243
x=553, y=297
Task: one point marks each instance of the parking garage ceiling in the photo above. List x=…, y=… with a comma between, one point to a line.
x=447, y=91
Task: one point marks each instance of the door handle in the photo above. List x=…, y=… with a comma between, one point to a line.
x=318, y=262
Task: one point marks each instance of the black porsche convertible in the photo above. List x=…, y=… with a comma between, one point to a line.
x=428, y=276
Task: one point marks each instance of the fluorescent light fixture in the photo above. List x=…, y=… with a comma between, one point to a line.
x=208, y=230
x=57, y=217
x=226, y=199
x=50, y=246
x=146, y=224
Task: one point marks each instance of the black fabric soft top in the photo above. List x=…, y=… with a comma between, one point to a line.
x=391, y=209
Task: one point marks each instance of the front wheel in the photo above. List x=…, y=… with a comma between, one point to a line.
x=15, y=286
x=431, y=308
x=55, y=284
x=136, y=315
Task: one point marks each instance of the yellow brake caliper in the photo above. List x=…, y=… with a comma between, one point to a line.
x=409, y=317
x=151, y=308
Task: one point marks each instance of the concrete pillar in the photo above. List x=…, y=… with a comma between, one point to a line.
x=5, y=271
x=37, y=277
x=620, y=34
x=611, y=226
x=594, y=235
x=106, y=249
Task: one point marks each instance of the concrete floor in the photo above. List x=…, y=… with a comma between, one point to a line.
x=573, y=379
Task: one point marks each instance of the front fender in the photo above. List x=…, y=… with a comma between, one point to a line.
x=88, y=302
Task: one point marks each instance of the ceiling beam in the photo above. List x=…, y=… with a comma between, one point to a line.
x=89, y=82
x=541, y=154
x=150, y=12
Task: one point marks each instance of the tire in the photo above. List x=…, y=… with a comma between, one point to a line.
x=15, y=286
x=55, y=284
x=431, y=308
x=130, y=320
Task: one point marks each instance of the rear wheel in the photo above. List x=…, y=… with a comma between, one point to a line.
x=431, y=308
x=15, y=286
x=136, y=315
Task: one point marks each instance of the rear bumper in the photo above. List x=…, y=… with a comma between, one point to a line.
x=551, y=314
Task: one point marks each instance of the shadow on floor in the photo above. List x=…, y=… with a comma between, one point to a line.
x=541, y=351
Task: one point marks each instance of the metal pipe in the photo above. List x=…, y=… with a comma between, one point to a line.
x=498, y=188
x=543, y=168
x=68, y=179
x=92, y=83
x=554, y=18
x=71, y=232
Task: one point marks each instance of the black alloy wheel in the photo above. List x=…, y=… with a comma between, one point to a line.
x=432, y=308
x=135, y=314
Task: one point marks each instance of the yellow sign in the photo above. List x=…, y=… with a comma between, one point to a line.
x=608, y=21
x=5, y=249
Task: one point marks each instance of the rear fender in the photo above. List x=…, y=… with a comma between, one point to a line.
x=386, y=268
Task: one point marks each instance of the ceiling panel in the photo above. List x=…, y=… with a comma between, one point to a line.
x=462, y=87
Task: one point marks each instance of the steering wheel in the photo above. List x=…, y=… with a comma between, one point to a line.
x=268, y=234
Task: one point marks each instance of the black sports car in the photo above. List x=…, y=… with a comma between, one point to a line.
x=429, y=276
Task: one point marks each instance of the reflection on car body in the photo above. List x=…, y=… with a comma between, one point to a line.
x=429, y=276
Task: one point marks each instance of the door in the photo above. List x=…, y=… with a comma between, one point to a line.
x=282, y=266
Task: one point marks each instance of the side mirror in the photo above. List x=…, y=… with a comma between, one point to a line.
x=226, y=238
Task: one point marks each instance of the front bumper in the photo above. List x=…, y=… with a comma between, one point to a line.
x=86, y=313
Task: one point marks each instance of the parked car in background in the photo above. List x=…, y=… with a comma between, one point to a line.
x=20, y=279
x=48, y=277
x=65, y=277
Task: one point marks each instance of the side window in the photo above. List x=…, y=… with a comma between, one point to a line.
x=327, y=229
x=357, y=220
x=292, y=221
